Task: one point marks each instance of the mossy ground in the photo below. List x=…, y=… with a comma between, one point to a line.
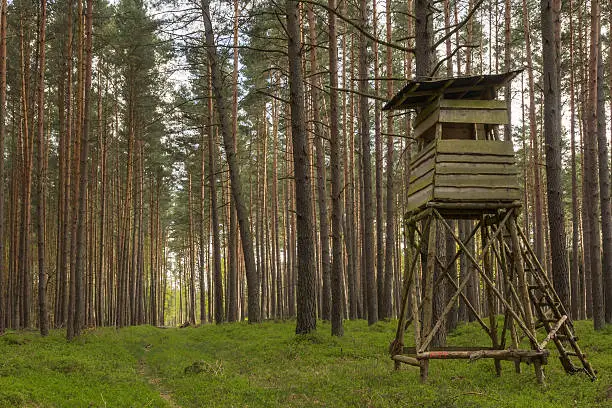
x=267, y=365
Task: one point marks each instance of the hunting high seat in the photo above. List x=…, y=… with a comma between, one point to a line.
x=461, y=170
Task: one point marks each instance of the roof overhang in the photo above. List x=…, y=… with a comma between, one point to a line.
x=420, y=93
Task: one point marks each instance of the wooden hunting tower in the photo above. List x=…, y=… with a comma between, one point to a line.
x=462, y=171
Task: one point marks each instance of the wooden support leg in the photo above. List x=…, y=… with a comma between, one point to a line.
x=539, y=371
x=399, y=336
x=429, y=285
x=524, y=293
x=505, y=260
x=424, y=370
x=488, y=269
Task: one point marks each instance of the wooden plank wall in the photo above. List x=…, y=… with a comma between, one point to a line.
x=464, y=171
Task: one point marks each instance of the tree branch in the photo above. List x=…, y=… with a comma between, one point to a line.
x=358, y=28
x=367, y=95
x=458, y=26
x=439, y=64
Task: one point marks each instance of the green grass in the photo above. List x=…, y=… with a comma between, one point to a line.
x=267, y=365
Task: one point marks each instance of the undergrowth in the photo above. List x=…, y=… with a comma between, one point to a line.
x=267, y=365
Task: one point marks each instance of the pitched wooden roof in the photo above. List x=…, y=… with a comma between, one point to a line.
x=419, y=93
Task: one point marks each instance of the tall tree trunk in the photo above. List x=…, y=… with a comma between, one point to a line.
x=337, y=309
x=321, y=176
x=591, y=172
x=192, y=262
x=3, y=268
x=232, y=313
x=576, y=293
x=550, y=13
x=26, y=189
x=43, y=318
x=378, y=160
x=538, y=212
x=390, y=227
x=367, y=217
x=604, y=191
x=80, y=236
x=214, y=217
x=235, y=179
x=306, y=285
x=508, y=65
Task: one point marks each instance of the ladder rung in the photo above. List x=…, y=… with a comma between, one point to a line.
x=563, y=337
x=571, y=353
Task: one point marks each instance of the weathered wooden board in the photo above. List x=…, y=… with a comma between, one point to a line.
x=427, y=153
x=425, y=167
x=425, y=112
x=466, y=158
x=476, y=194
x=472, y=104
x=427, y=123
x=476, y=180
x=422, y=182
x=489, y=116
x=475, y=168
x=476, y=147
x=419, y=198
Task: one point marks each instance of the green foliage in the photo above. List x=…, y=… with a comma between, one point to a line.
x=268, y=365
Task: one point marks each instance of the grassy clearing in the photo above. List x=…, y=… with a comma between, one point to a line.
x=237, y=365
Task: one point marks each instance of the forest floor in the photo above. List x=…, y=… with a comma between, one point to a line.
x=267, y=365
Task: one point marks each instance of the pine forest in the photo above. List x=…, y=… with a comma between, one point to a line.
x=175, y=163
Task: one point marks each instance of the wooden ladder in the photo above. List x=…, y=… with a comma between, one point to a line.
x=552, y=316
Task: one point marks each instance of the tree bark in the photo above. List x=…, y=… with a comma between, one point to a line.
x=390, y=204
x=3, y=268
x=604, y=191
x=367, y=217
x=321, y=173
x=235, y=179
x=591, y=172
x=82, y=198
x=306, y=286
x=539, y=226
x=337, y=309
x=43, y=318
x=550, y=14
x=576, y=293
x=214, y=216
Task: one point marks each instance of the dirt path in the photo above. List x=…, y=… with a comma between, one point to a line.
x=145, y=372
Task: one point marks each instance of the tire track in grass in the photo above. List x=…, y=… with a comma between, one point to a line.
x=155, y=382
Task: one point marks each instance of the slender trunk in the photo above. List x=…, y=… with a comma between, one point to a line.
x=80, y=236
x=550, y=13
x=306, y=284
x=26, y=189
x=321, y=176
x=235, y=179
x=192, y=263
x=218, y=284
x=604, y=192
x=3, y=268
x=43, y=318
x=576, y=295
x=337, y=311
x=591, y=172
x=367, y=217
x=232, y=313
x=508, y=65
x=390, y=231
x=538, y=212
x=378, y=159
